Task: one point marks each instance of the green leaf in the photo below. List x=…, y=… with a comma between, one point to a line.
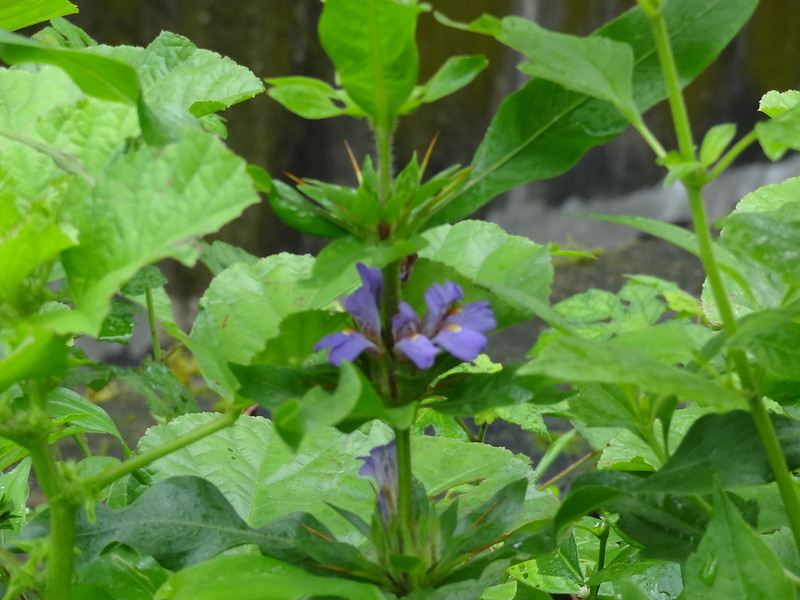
x=180, y=522
x=578, y=360
x=263, y=479
x=775, y=103
x=456, y=73
x=468, y=393
x=34, y=239
x=771, y=337
x=258, y=578
x=726, y=446
x=512, y=271
x=38, y=354
x=125, y=574
x=80, y=415
x=769, y=238
x=17, y=14
x=194, y=187
x=372, y=45
x=14, y=491
x=308, y=97
x=166, y=396
x=173, y=71
x=219, y=255
x=715, y=141
x=732, y=561
x=595, y=66
x=780, y=134
x=541, y=130
x=147, y=278
x=95, y=75
x=120, y=323
x=243, y=308
x=300, y=213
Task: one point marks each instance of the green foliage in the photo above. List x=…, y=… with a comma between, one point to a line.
x=111, y=159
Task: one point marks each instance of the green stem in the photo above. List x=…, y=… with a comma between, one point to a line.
x=110, y=475
x=63, y=513
x=764, y=426
x=601, y=558
x=680, y=115
x=151, y=318
x=383, y=135
x=404, y=487
x=777, y=462
x=731, y=155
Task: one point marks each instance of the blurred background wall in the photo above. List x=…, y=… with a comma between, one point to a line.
x=278, y=37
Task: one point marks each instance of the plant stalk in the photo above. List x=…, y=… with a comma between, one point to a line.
x=151, y=319
x=764, y=426
x=404, y=488
x=63, y=513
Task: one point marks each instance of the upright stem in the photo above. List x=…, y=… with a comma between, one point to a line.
x=63, y=513
x=404, y=487
x=383, y=135
x=151, y=318
x=764, y=426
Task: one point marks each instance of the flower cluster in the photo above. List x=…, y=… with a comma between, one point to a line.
x=446, y=325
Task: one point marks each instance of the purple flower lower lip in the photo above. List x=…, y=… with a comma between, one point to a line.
x=345, y=345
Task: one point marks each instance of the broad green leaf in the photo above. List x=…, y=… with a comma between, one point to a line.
x=726, y=446
x=125, y=574
x=219, y=255
x=166, y=397
x=258, y=578
x=120, y=323
x=732, y=561
x=771, y=337
x=38, y=354
x=372, y=46
x=770, y=238
x=541, y=130
x=194, y=187
x=173, y=71
x=77, y=413
x=512, y=270
x=595, y=66
x=775, y=103
x=308, y=97
x=180, y=522
x=17, y=14
x=263, y=479
x=769, y=197
x=243, y=308
x=95, y=75
x=578, y=360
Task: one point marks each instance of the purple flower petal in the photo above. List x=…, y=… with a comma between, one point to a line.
x=364, y=303
x=439, y=299
x=476, y=315
x=381, y=466
x=461, y=342
x=405, y=323
x=418, y=349
x=345, y=345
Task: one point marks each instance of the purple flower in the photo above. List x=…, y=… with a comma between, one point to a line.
x=364, y=306
x=457, y=329
x=381, y=465
x=446, y=325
